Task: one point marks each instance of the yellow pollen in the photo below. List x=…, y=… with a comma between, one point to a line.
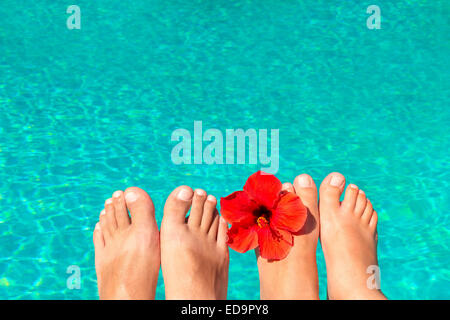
x=262, y=222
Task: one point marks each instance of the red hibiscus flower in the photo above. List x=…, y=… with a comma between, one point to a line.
x=263, y=215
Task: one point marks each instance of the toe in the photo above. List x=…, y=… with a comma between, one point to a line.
x=367, y=214
x=351, y=195
x=104, y=226
x=141, y=207
x=212, y=233
x=373, y=221
x=208, y=212
x=99, y=245
x=111, y=223
x=222, y=236
x=306, y=189
x=331, y=190
x=360, y=203
x=177, y=205
x=288, y=187
x=99, y=241
x=195, y=216
x=120, y=208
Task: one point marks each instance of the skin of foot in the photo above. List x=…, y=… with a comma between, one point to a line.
x=348, y=235
x=127, y=252
x=194, y=252
x=295, y=277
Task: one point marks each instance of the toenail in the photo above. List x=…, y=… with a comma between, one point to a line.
x=304, y=181
x=184, y=194
x=117, y=194
x=336, y=181
x=97, y=226
x=200, y=192
x=102, y=212
x=109, y=201
x=353, y=186
x=131, y=197
x=361, y=192
x=211, y=198
x=286, y=186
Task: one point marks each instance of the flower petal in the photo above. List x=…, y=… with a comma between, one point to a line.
x=290, y=213
x=237, y=207
x=242, y=239
x=274, y=244
x=263, y=188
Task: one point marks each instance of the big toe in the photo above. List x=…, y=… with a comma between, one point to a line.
x=306, y=189
x=142, y=210
x=177, y=205
x=331, y=189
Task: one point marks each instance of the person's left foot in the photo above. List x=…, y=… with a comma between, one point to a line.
x=127, y=254
x=295, y=277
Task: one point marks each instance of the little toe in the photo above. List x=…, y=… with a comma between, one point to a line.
x=222, y=234
x=99, y=241
x=373, y=221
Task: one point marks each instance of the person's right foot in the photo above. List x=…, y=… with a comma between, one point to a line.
x=348, y=234
x=194, y=252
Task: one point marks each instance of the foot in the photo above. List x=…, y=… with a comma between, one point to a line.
x=127, y=254
x=194, y=252
x=348, y=234
x=295, y=277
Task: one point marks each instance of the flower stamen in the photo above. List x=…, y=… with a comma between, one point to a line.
x=262, y=222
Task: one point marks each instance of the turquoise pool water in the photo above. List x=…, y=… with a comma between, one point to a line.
x=86, y=112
